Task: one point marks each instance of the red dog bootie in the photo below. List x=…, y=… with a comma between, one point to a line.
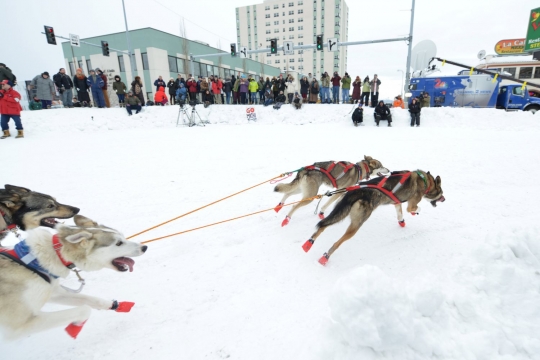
x=308, y=244
x=278, y=207
x=285, y=221
x=122, y=306
x=321, y=215
x=74, y=329
x=401, y=223
x=324, y=259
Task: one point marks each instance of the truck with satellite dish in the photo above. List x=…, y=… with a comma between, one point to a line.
x=475, y=87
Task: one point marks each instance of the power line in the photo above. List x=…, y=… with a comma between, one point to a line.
x=174, y=12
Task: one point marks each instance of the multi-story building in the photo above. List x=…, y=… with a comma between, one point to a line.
x=299, y=21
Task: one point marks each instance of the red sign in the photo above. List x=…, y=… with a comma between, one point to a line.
x=512, y=46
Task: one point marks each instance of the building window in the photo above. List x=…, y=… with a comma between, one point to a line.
x=291, y=4
x=301, y=43
x=276, y=6
x=276, y=30
x=181, y=65
x=282, y=5
x=267, y=8
x=276, y=62
x=172, y=64
x=268, y=23
x=269, y=62
x=300, y=68
x=301, y=60
x=144, y=57
x=121, y=63
x=291, y=29
x=291, y=21
x=300, y=51
x=89, y=65
x=300, y=19
x=291, y=60
x=276, y=22
x=302, y=27
x=536, y=73
x=337, y=6
x=291, y=37
x=300, y=2
x=268, y=31
x=301, y=11
x=267, y=16
x=525, y=72
x=276, y=14
x=512, y=71
x=300, y=36
x=291, y=67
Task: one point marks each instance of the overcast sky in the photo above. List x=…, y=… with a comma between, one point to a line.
x=460, y=28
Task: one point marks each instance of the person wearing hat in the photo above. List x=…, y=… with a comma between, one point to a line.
x=132, y=103
x=10, y=107
x=6, y=74
x=95, y=83
x=374, y=89
x=120, y=88
x=104, y=87
x=358, y=116
x=45, y=90
x=65, y=87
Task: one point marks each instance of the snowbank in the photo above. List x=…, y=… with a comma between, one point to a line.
x=488, y=309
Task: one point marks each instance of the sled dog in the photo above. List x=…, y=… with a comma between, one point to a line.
x=29, y=275
x=27, y=209
x=361, y=200
x=332, y=173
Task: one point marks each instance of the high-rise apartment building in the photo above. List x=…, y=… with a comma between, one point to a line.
x=299, y=21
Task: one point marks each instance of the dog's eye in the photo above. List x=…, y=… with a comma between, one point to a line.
x=119, y=242
x=50, y=206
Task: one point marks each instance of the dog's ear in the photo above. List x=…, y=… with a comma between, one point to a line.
x=17, y=189
x=438, y=181
x=83, y=221
x=78, y=237
x=368, y=158
x=9, y=199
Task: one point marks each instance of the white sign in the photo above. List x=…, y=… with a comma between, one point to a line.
x=251, y=115
x=74, y=40
x=243, y=52
x=288, y=48
x=332, y=44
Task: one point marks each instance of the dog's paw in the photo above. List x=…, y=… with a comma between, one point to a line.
x=122, y=306
x=285, y=222
x=402, y=223
x=321, y=215
x=75, y=328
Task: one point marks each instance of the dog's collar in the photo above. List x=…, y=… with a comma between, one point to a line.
x=57, y=246
x=425, y=181
x=367, y=169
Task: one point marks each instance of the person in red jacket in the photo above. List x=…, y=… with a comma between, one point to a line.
x=192, y=89
x=335, y=87
x=217, y=85
x=10, y=107
x=161, y=98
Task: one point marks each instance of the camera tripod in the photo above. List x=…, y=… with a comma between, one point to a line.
x=193, y=119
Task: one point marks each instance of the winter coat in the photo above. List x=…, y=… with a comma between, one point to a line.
x=325, y=81
x=261, y=85
x=9, y=102
x=94, y=82
x=178, y=82
x=236, y=85
x=243, y=87
x=217, y=86
x=6, y=74
x=358, y=115
x=374, y=86
x=191, y=86
x=398, y=103
x=275, y=85
x=356, y=90
x=209, y=98
x=383, y=111
x=160, y=95
x=44, y=87
x=297, y=100
x=133, y=100
x=304, y=86
x=282, y=85
x=426, y=101
x=346, y=81
x=134, y=85
x=204, y=86
x=171, y=87
x=336, y=79
x=181, y=93
x=35, y=105
x=365, y=87
x=291, y=87
x=104, y=78
x=280, y=98
x=119, y=87
x=253, y=86
x=414, y=108
x=62, y=81
x=159, y=83
x=80, y=84
x=269, y=94
x=227, y=86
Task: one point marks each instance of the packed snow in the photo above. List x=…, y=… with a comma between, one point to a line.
x=460, y=281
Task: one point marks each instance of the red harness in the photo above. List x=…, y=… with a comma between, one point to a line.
x=346, y=168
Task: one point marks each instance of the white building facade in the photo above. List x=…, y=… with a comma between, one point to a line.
x=299, y=21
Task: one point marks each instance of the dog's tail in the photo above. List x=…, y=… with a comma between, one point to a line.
x=287, y=188
x=340, y=211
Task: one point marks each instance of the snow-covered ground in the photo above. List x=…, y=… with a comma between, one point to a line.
x=460, y=281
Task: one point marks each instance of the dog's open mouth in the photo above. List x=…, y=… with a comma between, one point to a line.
x=434, y=202
x=383, y=172
x=123, y=264
x=48, y=222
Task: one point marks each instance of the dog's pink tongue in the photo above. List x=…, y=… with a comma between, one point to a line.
x=126, y=261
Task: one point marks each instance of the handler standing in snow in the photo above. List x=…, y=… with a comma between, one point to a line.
x=10, y=107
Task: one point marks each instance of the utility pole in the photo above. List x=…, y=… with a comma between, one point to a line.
x=402, y=88
x=408, y=68
x=130, y=49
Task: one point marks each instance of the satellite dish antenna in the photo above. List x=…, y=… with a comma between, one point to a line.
x=481, y=54
x=422, y=54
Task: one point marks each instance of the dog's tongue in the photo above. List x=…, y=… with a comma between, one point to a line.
x=126, y=261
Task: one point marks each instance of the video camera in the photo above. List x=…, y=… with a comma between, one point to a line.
x=193, y=103
x=181, y=103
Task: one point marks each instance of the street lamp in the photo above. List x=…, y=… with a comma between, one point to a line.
x=402, y=75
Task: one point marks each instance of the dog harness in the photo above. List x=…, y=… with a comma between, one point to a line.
x=22, y=255
x=346, y=168
x=391, y=193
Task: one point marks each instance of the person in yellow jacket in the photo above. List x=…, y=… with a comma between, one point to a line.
x=398, y=102
x=253, y=87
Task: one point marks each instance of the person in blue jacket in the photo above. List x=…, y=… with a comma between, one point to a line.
x=181, y=93
x=96, y=83
x=160, y=83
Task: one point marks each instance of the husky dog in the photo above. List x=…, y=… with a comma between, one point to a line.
x=336, y=174
x=29, y=275
x=361, y=200
x=27, y=209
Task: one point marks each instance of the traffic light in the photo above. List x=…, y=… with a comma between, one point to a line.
x=49, y=33
x=273, y=46
x=105, y=48
x=319, y=42
x=233, y=50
